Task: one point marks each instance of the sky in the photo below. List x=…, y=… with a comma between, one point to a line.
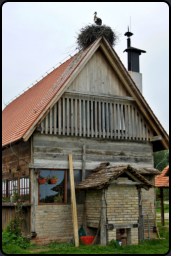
x=37, y=36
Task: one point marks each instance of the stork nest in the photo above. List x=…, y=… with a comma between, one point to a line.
x=89, y=34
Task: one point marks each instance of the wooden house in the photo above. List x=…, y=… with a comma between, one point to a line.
x=91, y=108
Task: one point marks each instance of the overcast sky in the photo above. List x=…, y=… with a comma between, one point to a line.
x=37, y=36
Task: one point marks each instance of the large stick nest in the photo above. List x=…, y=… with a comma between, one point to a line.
x=90, y=33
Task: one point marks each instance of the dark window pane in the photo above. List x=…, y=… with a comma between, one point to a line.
x=52, y=193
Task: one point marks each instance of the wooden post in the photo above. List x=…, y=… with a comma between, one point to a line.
x=162, y=207
x=141, y=228
x=103, y=220
x=83, y=158
x=73, y=203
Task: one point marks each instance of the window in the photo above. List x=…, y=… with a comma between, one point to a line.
x=24, y=188
x=19, y=186
x=12, y=187
x=53, y=193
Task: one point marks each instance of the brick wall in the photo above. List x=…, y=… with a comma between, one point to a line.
x=148, y=196
x=54, y=222
x=93, y=207
x=123, y=207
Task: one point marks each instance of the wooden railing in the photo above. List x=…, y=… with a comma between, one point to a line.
x=93, y=116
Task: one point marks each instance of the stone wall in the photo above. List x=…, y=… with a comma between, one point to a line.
x=123, y=207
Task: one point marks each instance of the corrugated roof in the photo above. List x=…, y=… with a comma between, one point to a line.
x=101, y=177
x=162, y=180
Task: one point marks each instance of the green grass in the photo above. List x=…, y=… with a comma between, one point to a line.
x=147, y=247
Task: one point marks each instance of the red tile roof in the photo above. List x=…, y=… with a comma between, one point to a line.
x=162, y=180
x=21, y=113
x=18, y=116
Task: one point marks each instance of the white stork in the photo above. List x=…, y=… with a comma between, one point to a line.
x=97, y=20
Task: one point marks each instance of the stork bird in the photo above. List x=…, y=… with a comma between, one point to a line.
x=97, y=20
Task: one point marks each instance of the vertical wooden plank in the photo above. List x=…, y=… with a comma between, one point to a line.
x=126, y=121
x=59, y=116
x=111, y=121
x=119, y=121
x=162, y=207
x=140, y=124
x=80, y=125
x=42, y=128
x=121, y=116
x=92, y=132
x=68, y=116
x=107, y=119
x=84, y=123
x=147, y=132
x=51, y=121
x=55, y=114
x=103, y=232
x=143, y=129
x=129, y=122
x=136, y=125
x=83, y=163
x=76, y=119
x=63, y=115
x=88, y=118
x=133, y=125
x=103, y=119
x=114, y=120
x=99, y=118
x=73, y=202
x=95, y=118
x=72, y=114
x=46, y=124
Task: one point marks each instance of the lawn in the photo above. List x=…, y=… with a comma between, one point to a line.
x=146, y=247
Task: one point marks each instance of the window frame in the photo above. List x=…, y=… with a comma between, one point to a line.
x=18, y=186
x=65, y=199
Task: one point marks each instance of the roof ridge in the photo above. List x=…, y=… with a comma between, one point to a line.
x=42, y=77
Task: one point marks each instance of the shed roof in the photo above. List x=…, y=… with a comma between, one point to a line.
x=162, y=180
x=104, y=175
x=23, y=115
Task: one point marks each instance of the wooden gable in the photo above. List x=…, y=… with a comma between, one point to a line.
x=97, y=104
x=99, y=77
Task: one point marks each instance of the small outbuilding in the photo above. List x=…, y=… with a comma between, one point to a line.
x=162, y=181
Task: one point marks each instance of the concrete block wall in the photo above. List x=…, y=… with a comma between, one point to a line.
x=54, y=222
x=123, y=207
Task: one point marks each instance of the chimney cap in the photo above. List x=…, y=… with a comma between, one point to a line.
x=134, y=50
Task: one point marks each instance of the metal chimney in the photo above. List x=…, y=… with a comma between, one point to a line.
x=133, y=61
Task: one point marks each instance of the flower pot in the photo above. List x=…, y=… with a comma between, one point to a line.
x=42, y=181
x=53, y=181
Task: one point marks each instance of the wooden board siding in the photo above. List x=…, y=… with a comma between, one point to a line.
x=96, y=116
x=11, y=161
x=53, y=151
x=98, y=77
x=8, y=214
